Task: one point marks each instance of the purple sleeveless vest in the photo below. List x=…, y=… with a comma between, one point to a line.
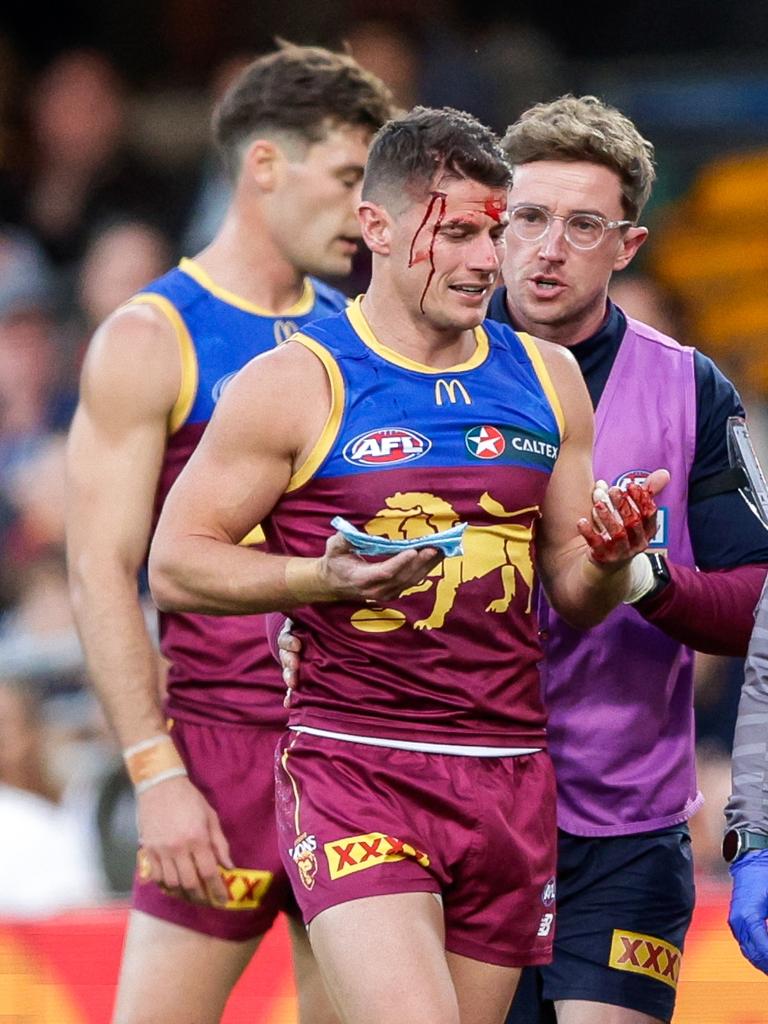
x=620, y=696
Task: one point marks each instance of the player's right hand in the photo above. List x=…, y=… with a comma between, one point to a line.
x=749, y=907
x=353, y=578
x=182, y=844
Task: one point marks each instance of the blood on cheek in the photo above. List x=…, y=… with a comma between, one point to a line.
x=436, y=199
x=493, y=207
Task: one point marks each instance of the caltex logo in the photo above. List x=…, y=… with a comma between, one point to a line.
x=485, y=442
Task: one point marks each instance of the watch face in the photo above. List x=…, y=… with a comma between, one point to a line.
x=731, y=844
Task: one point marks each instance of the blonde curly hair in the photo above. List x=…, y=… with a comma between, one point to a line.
x=574, y=128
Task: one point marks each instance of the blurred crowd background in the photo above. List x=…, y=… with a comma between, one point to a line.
x=106, y=178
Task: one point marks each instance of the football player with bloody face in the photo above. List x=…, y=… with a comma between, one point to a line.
x=415, y=797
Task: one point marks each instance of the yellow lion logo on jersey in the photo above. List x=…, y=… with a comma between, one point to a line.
x=506, y=548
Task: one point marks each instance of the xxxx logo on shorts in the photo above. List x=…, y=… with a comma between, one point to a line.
x=246, y=887
x=356, y=853
x=644, y=954
x=303, y=855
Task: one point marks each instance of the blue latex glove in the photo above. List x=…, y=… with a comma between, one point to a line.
x=447, y=541
x=749, y=907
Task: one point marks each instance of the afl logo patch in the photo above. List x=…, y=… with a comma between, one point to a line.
x=218, y=388
x=639, y=476
x=485, y=442
x=632, y=476
x=386, y=446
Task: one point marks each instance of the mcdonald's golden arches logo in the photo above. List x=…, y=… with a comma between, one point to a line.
x=451, y=389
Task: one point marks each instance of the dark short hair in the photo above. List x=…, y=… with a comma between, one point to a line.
x=303, y=90
x=409, y=152
x=574, y=128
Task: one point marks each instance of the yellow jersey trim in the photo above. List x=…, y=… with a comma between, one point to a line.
x=545, y=379
x=330, y=430
x=301, y=307
x=362, y=328
x=254, y=536
x=189, y=370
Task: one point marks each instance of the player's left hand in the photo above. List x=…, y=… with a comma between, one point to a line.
x=749, y=907
x=290, y=659
x=623, y=522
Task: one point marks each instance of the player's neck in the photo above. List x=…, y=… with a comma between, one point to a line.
x=413, y=336
x=245, y=260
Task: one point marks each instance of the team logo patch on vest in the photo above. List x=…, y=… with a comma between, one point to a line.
x=645, y=954
x=356, y=853
x=302, y=853
x=639, y=476
x=485, y=442
x=386, y=446
x=246, y=888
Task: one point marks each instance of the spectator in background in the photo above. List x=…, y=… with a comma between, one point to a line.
x=214, y=189
x=83, y=170
x=122, y=256
x=34, y=396
x=37, y=632
x=642, y=298
x=393, y=52
x=47, y=861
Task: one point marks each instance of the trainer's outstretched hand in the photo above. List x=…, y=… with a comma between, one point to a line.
x=623, y=522
x=749, y=907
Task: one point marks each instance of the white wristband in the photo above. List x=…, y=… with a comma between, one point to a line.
x=641, y=579
x=170, y=773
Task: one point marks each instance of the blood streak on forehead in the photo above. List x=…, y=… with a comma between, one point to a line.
x=496, y=207
x=437, y=200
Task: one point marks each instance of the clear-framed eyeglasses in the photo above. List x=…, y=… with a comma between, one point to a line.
x=582, y=230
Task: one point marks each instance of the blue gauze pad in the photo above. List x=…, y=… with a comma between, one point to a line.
x=447, y=541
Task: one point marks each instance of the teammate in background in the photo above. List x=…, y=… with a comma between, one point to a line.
x=620, y=699
x=294, y=131
x=745, y=845
x=413, y=768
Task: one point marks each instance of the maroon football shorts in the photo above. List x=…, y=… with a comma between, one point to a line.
x=356, y=820
x=232, y=766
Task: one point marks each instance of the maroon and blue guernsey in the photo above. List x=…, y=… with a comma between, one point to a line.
x=407, y=451
x=220, y=667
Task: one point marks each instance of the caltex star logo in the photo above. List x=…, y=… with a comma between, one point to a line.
x=485, y=442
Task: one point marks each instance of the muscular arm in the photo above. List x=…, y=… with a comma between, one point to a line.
x=579, y=590
x=129, y=384
x=263, y=429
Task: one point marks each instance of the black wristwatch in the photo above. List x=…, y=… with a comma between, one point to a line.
x=661, y=576
x=738, y=841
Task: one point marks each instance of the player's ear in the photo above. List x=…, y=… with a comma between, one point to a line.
x=261, y=164
x=375, y=226
x=632, y=240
